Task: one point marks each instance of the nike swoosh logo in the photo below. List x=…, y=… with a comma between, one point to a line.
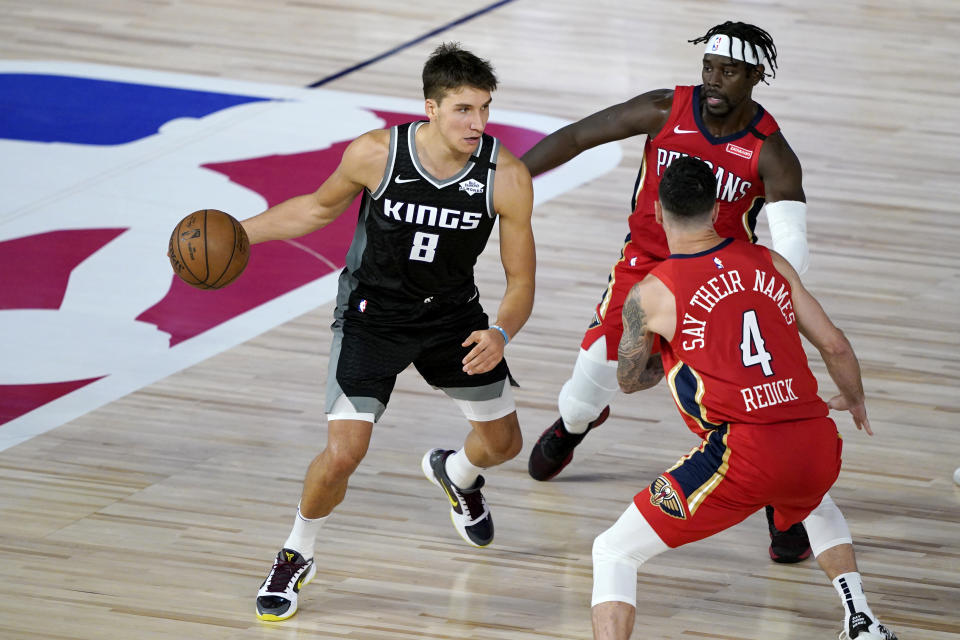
x=453, y=501
x=677, y=129
x=400, y=180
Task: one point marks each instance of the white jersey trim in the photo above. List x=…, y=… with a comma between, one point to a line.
x=436, y=182
x=491, y=172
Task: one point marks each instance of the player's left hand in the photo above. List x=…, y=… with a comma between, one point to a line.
x=487, y=353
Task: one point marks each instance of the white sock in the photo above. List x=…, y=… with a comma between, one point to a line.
x=850, y=588
x=304, y=534
x=461, y=471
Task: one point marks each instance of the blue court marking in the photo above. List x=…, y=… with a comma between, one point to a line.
x=458, y=21
x=54, y=108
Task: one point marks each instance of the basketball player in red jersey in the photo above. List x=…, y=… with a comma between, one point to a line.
x=718, y=122
x=726, y=315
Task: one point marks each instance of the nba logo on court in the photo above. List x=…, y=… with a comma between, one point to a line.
x=97, y=164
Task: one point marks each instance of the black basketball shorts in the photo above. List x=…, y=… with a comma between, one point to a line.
x=367, y=354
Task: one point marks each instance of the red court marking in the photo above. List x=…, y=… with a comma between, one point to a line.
x=34, y=270
x=19, y=399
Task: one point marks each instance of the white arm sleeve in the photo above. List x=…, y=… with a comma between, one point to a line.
x=787, y=220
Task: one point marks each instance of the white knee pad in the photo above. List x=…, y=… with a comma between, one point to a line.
x=826, y=526
x=591, y=387
x=617, y=554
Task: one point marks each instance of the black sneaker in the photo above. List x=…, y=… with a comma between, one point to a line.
x=277, y=598
x=554, y=448
x=861, y=627
x=468, y=509
x=787, y=546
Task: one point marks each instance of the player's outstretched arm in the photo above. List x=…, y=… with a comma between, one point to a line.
x=834, y=348
x=362, y=165
x=649, y=310
x=513, y=201
x=645, y=113
x=786, y=207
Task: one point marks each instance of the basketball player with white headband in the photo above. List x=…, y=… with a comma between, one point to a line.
x=719, y=122
x=787, y=219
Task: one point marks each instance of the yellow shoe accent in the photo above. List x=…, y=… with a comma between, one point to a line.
x=268, y=617
x=453, y=501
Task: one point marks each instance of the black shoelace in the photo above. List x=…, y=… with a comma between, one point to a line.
x=283, y=572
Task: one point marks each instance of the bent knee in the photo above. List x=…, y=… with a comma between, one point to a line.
x=343, y=461
x=516, y=445
x=605, y=549
x=505, y=446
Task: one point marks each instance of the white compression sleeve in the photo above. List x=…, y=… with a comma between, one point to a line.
x=618, y=552
x=591, y=387
x=826, y=526
x=787, y=220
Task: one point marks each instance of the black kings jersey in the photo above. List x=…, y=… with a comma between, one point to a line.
x=419, y=237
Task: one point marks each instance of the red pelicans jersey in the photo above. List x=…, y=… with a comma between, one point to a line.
x=733, y=159
x=736, y=354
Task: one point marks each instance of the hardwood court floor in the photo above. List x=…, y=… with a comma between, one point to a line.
x=157, y=515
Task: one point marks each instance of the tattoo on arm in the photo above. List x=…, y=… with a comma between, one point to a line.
x=635, y=347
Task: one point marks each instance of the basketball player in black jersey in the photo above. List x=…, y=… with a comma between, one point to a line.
x=431, y=192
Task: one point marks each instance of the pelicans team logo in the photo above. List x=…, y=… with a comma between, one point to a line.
x=663, y=495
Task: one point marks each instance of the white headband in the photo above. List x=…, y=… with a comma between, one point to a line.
x=723, y=45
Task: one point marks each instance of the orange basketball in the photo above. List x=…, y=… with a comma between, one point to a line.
x=208, y=249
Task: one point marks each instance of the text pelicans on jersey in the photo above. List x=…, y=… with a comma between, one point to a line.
x=730, y=186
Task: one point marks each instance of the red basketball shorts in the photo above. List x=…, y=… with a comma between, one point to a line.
x=739, y=469
x=633, y=266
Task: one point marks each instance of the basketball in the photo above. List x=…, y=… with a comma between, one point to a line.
x=208, y=249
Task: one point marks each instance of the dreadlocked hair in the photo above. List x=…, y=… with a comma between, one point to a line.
x=759, y=40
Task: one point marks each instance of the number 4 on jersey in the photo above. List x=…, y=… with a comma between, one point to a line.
x=751, y=347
